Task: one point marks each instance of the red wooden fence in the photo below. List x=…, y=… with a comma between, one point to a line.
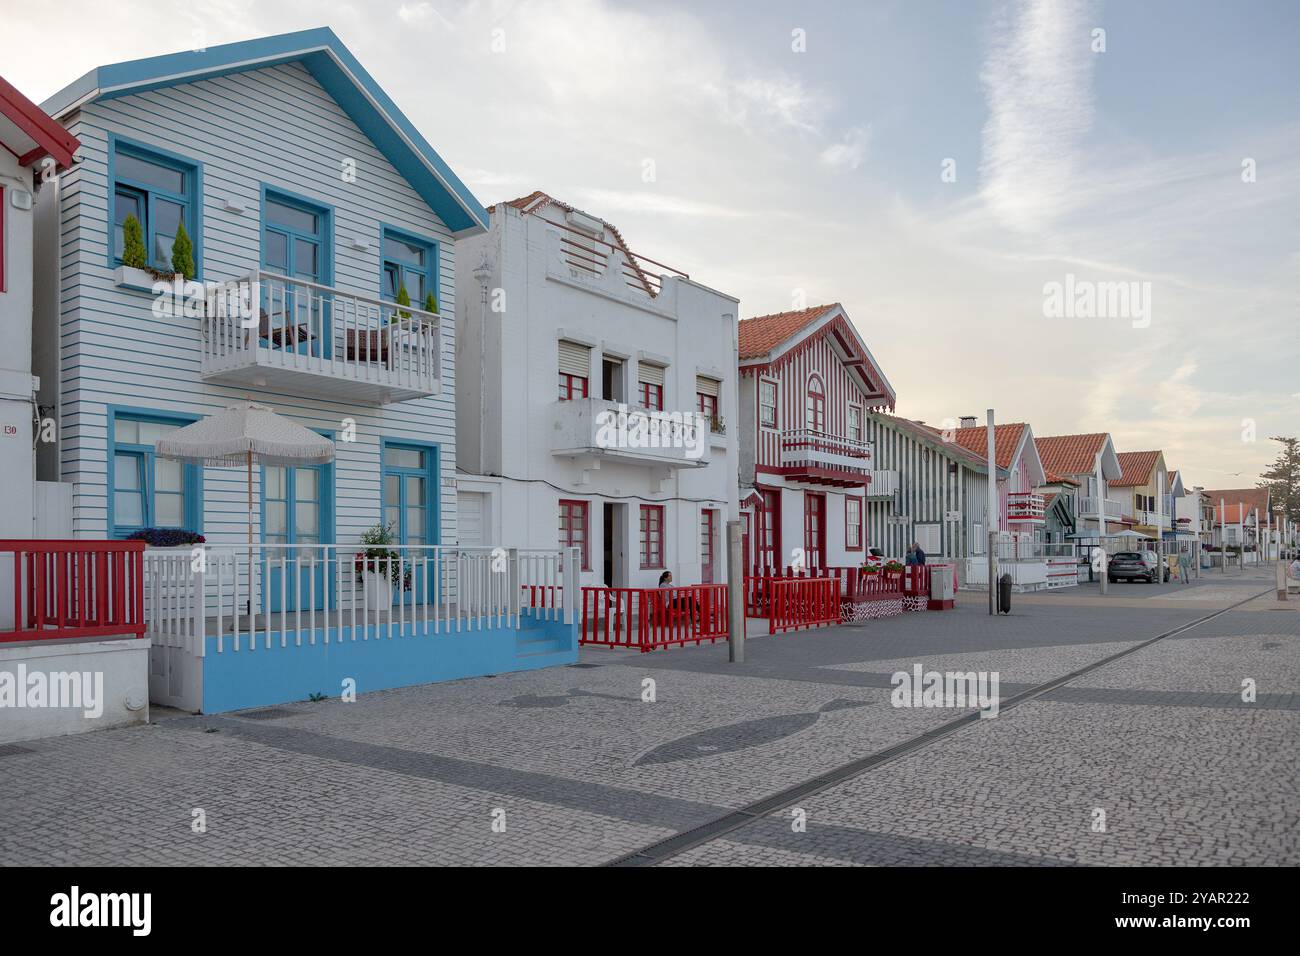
x=649, y=618
x=797, y=603
x=65, y=589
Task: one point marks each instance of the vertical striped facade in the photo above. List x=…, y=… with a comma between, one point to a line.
x=932, y=481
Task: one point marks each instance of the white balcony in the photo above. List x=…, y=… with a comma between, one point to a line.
x=1025, y=507
x=594, y=429
x=884, y=484
x=806, y=447
x=296, y=336
x=1111, y=508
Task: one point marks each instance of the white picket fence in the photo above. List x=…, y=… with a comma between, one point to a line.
x=245, y=595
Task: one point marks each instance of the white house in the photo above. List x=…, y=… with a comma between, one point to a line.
x=595, y=399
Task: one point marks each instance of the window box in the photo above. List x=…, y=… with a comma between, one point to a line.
x=136, y=280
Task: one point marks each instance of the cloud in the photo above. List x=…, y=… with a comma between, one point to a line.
x=850, y=152
x=1038, y=81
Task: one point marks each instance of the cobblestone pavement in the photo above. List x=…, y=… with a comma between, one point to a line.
x=581, y=769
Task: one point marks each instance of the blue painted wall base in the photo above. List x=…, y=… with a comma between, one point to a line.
x=234, y=680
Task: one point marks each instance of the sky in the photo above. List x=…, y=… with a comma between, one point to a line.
x=951, y=172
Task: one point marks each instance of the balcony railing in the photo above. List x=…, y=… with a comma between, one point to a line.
x=595, y=427
x=1111, y=508
x=884, y=484
x=1024, y=506
x=310, y=339
x=807, y=446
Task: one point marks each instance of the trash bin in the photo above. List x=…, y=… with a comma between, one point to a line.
x=1004, y=594
x=942, y=587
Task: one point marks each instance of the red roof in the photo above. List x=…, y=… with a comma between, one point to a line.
x=1006, y=439
x=1064, y=455
x=761, y=334
x=1135, y=468
x=29, y=132
x=1238, y=500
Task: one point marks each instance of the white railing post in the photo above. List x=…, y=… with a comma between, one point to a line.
x=198, y=611
x=571, y=559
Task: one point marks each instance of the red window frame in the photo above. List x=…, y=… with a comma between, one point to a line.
x=574, y=517
x=814, y=530
x=854, y=526
x=775, y=406
x=708, y=405
x=652, y=396
x=816, y=405
x=708, y=544
x=652, y=537
x=769, y=530
x=572, y=386
x=849, y=422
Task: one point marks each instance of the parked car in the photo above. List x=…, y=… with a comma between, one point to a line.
x=1131, y=566
x=1153, y=561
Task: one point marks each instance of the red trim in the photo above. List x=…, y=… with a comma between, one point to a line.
x=652, y=396
x=817, y=475
x=571, y=508
x=652, y=552
x=49, y=136
x=814, y=529
x=572, y=386
x=859, y=502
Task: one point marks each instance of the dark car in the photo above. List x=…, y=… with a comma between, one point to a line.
x=1130, y=566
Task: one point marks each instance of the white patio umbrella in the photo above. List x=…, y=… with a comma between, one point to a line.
x=242, y=434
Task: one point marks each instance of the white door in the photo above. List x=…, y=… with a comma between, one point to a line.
x=471, y=517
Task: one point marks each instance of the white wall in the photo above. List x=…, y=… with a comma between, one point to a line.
x=17, y=460
x=507, y=393
x=123, y=669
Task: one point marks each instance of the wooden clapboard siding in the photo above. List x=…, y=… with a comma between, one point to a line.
x=275, y=126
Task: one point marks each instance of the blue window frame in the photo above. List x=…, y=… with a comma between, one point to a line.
x=145, y=491
x=161, y=190
x=409, y=477
x=298, y=508
x=407, y=260
x=297, y=242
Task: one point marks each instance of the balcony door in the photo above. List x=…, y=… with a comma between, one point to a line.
x=816, y=405
x=297, y=509
x=295, y=244
x=708, y=545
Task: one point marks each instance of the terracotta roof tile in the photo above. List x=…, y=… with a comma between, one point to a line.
x=1006, y=439
x=1135, y=468
x=1064, y=455
x=761, y=334
x=1240, y=499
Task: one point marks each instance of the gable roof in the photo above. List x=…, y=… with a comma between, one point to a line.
x=325, y=57
x=933, y=438
x=1065, y=455
x=766, y=341
x=761, y=334
x=1239, y=501
x=537, y=200
x=29, y=132
x=1011, y=442
x=1135, y=468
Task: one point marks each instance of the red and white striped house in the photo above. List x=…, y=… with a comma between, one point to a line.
x=807, y=381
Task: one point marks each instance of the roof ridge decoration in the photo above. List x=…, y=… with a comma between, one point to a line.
x=333, y=66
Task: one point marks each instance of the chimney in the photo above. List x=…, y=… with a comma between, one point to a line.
x=968, y=421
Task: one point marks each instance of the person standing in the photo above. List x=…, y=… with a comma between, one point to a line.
x=1184, y=565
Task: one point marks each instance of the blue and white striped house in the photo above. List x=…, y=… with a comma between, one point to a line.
x=290, y=168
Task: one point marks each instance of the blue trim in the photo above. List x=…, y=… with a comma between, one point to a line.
x=328, y=532
x=331, y=63
x=433, y=471
x=192, y=479
x=433, y=266
x=193, y=170
x=308, y=204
